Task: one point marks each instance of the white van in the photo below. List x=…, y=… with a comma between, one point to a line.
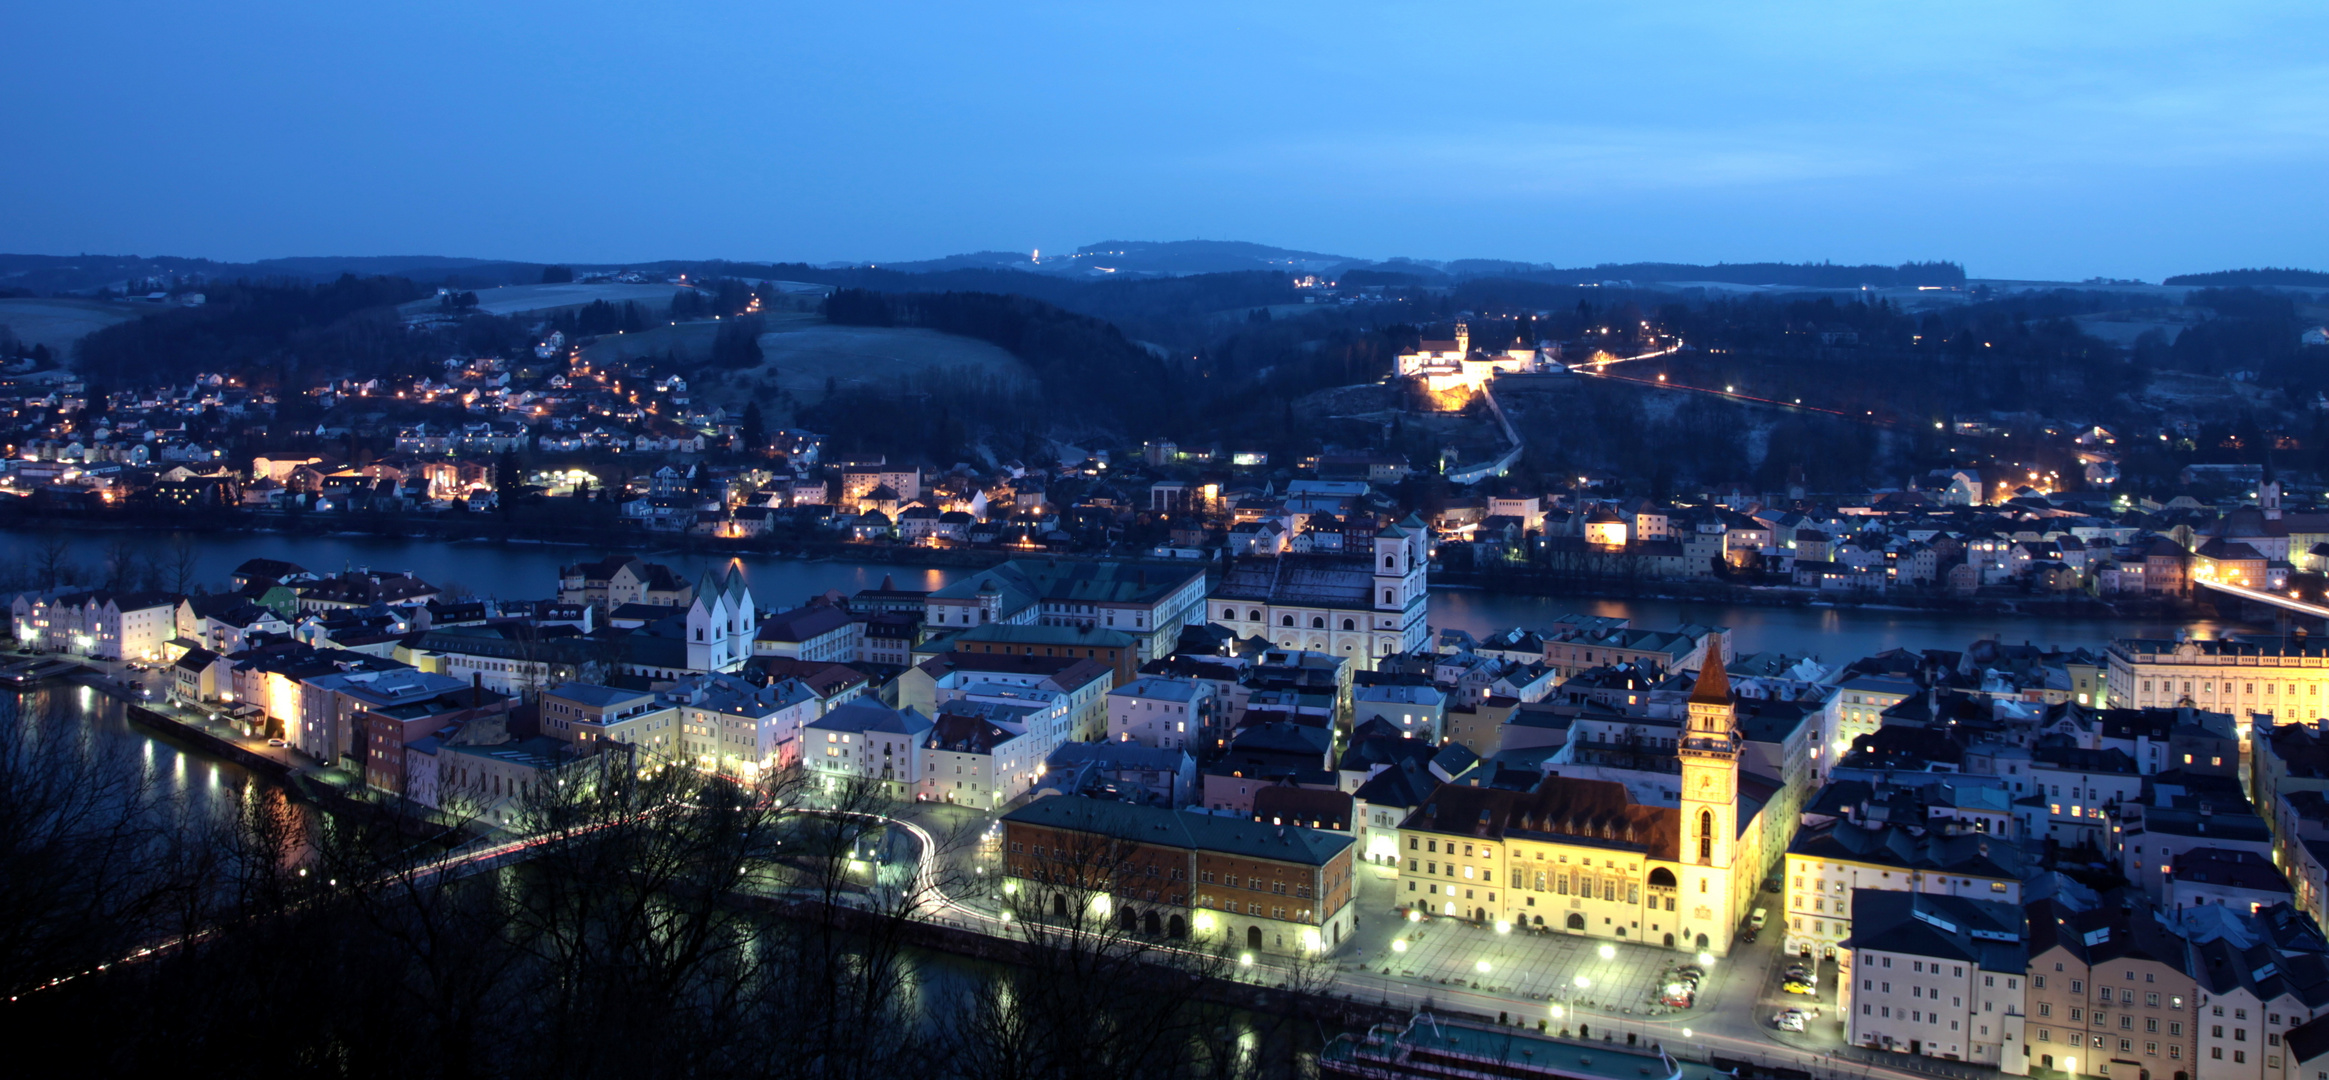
x=1756, y=920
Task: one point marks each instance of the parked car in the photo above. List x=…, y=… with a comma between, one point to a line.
x=1787, y=1022
x=277, y=742
x=1798, y=986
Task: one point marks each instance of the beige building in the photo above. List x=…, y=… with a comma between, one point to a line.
x=2109, y=995
x=1939, y=976
x=2280, y=677
x=1580, y=856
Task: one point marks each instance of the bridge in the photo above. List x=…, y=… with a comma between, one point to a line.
x=2286, y=602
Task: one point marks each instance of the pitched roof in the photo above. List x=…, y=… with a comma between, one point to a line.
x=1713, y=686
x=1191, y=829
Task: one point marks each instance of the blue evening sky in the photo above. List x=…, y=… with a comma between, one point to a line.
x=2026, y=139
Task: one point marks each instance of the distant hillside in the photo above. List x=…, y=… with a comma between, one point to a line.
x=47, y=275
x=2263, y=276
x=59, y=322
x=1796, y=275
x=1200, y=257
x=529, y=299
x=1822, y=275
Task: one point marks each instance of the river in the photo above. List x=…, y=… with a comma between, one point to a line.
x=76, y=726
x=530, y=571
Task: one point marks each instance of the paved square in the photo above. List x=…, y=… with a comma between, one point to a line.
x=1538, y=966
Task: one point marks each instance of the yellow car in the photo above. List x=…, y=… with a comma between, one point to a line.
x=1794, y=986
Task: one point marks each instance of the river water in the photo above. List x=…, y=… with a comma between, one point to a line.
x=530, y=571
x=74, y=725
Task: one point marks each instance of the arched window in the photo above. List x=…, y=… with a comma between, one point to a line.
x=1285, y=620
x=1661, y=878
x=1706, y=834
x=1386, y=596
x=1349, y=624
x=1389, y=562
x=1254, y=615
x=1317, y=623
x=1229, y=613
x=1253, y=937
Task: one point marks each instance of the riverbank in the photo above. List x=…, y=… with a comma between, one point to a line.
x=304, y=784
x=530, y=533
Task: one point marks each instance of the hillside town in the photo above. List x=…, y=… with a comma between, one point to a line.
x=624, y=450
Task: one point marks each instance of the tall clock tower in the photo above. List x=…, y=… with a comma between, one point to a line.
x=1710, y=811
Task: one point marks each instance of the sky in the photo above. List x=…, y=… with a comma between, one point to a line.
x=2047, y=140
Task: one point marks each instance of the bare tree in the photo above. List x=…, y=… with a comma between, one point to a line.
x=121, y=559
x=1098, y=989
x=53, y=561
x=83, y=851
x=179, y=562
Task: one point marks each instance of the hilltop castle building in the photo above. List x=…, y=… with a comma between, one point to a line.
x=1451, y=372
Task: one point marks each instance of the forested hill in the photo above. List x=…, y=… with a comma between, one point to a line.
x=1079, y=361
x=2263, y=276
x=292, y=331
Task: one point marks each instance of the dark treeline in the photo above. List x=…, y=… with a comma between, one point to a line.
x=281, y=329
x=1177, y=312
x=1801, y=275
x=1087, y=378
x=2258, y=276
x=669, y=925
x=1079, y=363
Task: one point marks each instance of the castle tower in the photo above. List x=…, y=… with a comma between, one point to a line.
x=1463, y=341
x=2268, y=499
x=1710, y=812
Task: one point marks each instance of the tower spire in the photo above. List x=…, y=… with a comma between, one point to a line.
x=1714, y=683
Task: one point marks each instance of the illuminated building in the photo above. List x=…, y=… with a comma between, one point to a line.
x=1582, y=857
x=1180, y=875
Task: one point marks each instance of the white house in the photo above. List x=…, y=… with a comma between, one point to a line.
x=864, y=740
x=1417, y=711
x=1160, y=711
x=1939, y=976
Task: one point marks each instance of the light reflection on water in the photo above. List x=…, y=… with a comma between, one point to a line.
x=529, y=571
x=81, y=725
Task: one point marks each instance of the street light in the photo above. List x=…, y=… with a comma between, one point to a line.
x=1481, y=967
x=1399, y=945
x=1609, y=952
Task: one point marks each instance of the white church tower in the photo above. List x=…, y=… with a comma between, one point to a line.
x=1402, y=587
x=720, y=623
